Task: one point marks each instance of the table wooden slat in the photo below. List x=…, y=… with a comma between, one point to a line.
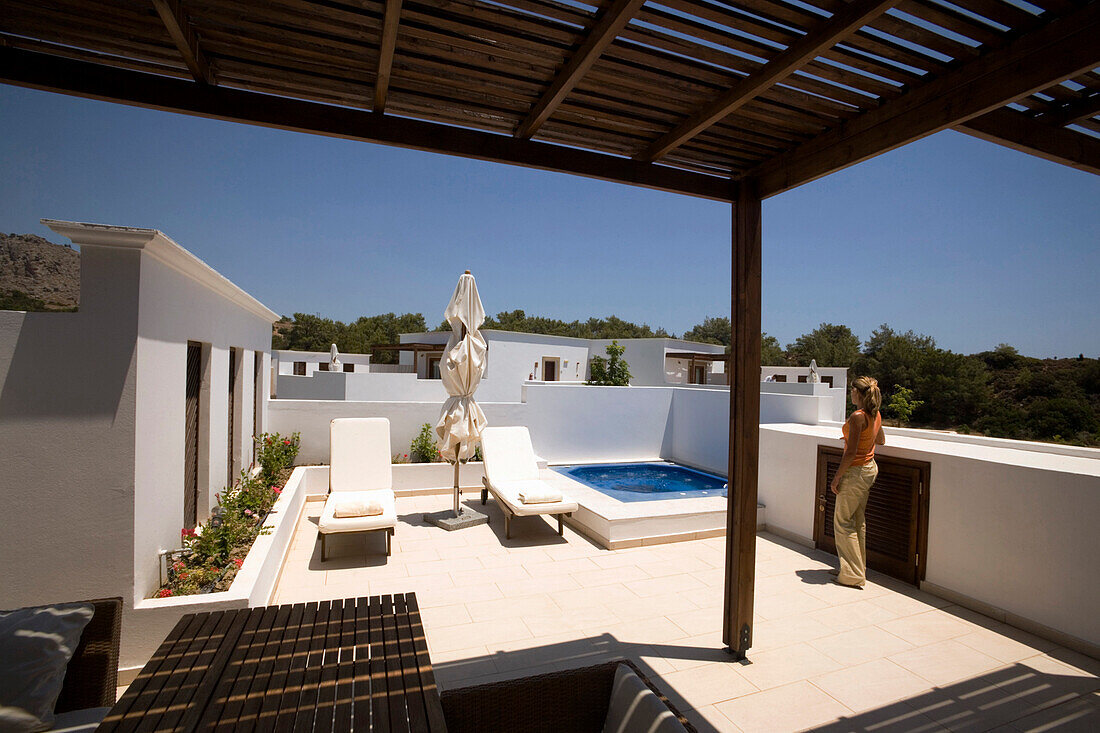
x=361, y=713
x=345, y=672
x=380, y=706
x=307, y=704
x=357, y=664
x=260, y=683
x=212, y=677
x=292, y=691
x=195, y=640
x=190, y=689
x=126, y=713
x=410, y=672
x=432, y=704
x=326, y=690
x=214, y=709
x=270, y=709
x=395, y=686
x=226, y=722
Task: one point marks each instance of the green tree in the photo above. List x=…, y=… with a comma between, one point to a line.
x=771, y=353
x=713, y=330
x=829, y=344
x=612, y=371
x=902, y=404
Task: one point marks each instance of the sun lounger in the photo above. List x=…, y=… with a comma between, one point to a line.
x=512, y=473
x=360, y=475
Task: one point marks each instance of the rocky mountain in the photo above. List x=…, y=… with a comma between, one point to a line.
x=39, y=270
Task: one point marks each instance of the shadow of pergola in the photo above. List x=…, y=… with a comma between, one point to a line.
x=997, y=698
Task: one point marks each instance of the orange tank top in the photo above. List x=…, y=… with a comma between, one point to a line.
x=865, y=446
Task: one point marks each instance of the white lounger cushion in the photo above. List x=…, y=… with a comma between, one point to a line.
x=508, y=492
x=360, y=458
x=345, y=505
x=508, y=455
x=388, y=518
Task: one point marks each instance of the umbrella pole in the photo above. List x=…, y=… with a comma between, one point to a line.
x=457, y=509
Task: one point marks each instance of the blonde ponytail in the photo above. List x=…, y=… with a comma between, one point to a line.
x=870, y=398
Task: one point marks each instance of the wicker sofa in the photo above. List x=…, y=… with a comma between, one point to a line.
x=575, y=700
x=91, y=675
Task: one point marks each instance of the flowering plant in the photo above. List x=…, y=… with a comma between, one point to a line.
x=276, y=452
x=213, y=554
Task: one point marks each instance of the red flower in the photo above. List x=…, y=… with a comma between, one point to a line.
x=286, y=442
x=187, y=532
x=178, y=566
x=183, y=576
x=238, y=562
x=164, y=593
x=277, y=490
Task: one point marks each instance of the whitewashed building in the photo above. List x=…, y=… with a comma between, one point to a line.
x=120, y=422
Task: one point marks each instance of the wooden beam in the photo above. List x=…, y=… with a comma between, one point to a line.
x=179, y=28
x=1073, y=112
x=846, y=21
x=1059, y=50
x=611, y=22
x=1021, y=132
x=94, y=81
x=744, y=426
x=385, y=53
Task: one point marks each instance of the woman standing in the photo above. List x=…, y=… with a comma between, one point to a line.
x=854, y=478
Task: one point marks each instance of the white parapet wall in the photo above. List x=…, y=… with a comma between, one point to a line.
x=1011, y=531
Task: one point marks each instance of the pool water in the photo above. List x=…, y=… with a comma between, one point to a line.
x=646, y=481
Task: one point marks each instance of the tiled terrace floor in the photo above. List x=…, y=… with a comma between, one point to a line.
x=889, y=657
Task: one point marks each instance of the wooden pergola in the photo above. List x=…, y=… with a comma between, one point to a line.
x=730, y=100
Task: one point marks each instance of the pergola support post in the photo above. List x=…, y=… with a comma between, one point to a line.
x=744, y=428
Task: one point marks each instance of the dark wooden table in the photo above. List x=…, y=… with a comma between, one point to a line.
x=358, y=664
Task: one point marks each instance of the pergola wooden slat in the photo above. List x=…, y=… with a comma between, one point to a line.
x=732, y=101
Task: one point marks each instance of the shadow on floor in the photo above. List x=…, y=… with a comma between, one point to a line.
x=1015, y=694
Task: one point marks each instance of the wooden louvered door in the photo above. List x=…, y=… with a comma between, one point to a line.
x=231, y=404
x=191, y=436
x=897, y=514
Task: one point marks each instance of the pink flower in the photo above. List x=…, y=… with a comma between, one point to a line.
x=164, y=593
x=276, y=490
x=248, y=512
x=178, y=566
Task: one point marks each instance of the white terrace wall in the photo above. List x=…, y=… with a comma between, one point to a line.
x=68, y=388
x=176, y=308
x=1010, y=531
x=93, y=469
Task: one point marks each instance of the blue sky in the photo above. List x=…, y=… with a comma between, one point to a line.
x=963, y=240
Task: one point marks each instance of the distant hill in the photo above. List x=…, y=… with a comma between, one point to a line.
x=36, y=274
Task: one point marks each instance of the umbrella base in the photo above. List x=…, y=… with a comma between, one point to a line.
x=448, y=521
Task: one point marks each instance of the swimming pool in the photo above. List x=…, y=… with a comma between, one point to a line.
x=632, y=482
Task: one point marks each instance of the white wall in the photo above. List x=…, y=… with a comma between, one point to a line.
x=67, y=399
x=312, y=417
x=175, y=308
x=700, y=428
x=92, y=416
x=578, y=423
x=1012, y=529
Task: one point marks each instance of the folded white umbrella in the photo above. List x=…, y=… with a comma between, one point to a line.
x=334, y=356
x=461, y=420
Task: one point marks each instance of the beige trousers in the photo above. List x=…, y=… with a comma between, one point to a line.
x=849, y=525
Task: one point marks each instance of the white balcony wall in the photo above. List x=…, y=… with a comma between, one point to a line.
x=68, y=385
x=1011, y=531
x=94, y=466
x=176, y=308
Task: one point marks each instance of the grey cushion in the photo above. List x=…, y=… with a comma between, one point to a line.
x=79, y=721
x=35, y=646
x=635, y=708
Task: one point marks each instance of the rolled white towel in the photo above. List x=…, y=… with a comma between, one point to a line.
x=539, y=493
x=345, y=508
